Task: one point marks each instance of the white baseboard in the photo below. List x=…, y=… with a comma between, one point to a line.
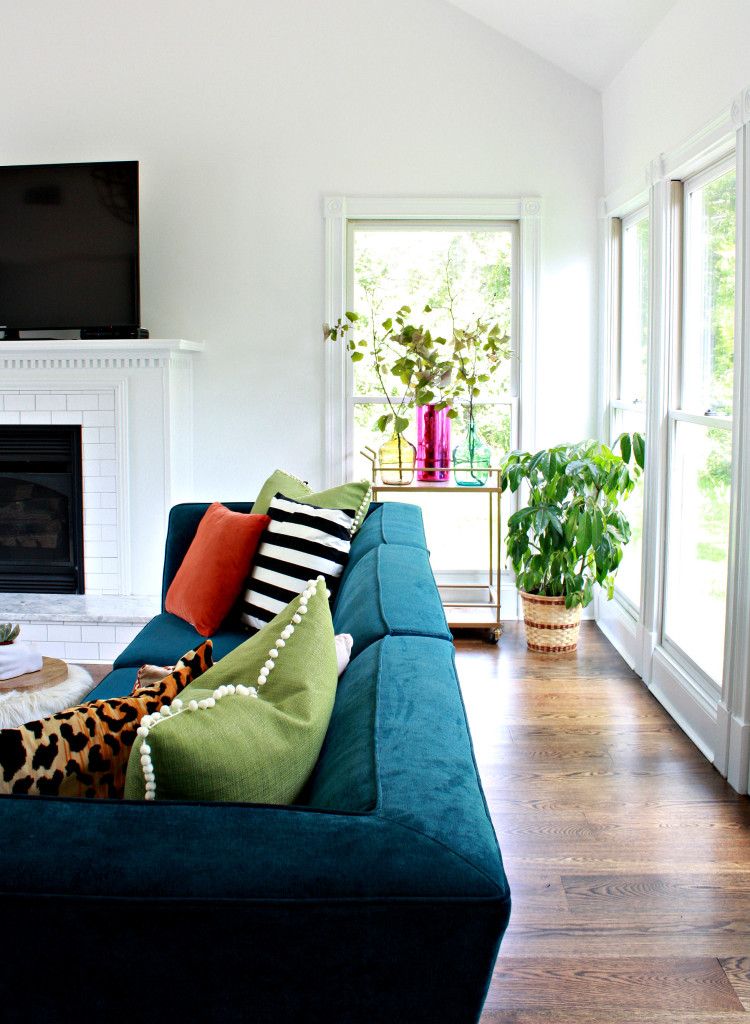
x=692, y=709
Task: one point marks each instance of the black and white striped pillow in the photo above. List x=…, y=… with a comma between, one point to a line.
x=300, y=543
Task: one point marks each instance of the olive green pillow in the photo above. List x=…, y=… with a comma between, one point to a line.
x=253, y=729
x=355, y=495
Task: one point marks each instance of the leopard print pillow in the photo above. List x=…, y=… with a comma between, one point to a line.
x=84, y=751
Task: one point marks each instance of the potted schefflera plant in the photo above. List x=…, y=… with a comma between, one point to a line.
x=570, y=533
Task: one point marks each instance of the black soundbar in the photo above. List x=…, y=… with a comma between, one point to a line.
x=104, y=333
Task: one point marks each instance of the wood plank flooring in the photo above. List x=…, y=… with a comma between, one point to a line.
x=627, y=853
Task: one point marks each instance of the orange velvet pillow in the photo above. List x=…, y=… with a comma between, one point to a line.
x=214, y=569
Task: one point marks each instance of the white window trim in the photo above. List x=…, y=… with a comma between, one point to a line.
x=719, y=727
x=340, y=210
x=619, y=618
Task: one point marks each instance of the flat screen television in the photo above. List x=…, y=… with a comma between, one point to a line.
x=69, y=248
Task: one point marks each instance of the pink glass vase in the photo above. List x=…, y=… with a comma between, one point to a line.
x=433, y=443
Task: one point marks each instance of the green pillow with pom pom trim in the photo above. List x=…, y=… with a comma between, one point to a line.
x=252, y=730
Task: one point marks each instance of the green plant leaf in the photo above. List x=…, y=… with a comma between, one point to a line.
x=625, y=447
x=583, y=534
x=639, y=450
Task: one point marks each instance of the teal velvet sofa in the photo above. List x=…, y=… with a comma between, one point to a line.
x=378, y=898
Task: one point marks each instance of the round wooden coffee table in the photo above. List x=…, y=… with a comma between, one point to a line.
x=52, y=671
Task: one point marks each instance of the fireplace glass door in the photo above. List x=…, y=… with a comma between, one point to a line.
x=41, y=515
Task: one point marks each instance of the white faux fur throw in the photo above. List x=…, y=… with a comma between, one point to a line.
x=20, y=706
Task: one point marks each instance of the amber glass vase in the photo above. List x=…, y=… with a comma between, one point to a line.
x=397, y=457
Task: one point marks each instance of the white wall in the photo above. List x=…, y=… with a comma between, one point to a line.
x=685, y=74
x=243, y=115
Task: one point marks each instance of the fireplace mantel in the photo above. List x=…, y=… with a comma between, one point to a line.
x=122, y=351
x=134, y=402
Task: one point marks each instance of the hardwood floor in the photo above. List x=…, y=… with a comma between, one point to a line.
x=627, y=853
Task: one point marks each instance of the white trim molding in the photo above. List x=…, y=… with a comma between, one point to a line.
x=338, y=211
x=717, y=718
x=733, y=747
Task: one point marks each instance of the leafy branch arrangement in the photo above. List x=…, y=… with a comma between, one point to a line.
x=475, y=352
x=571, y=533
x=431, y=370
x=401, y=350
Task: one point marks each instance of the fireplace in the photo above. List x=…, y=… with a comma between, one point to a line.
x=132, y=400
x=41, y=510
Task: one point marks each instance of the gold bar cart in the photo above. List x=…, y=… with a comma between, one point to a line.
x=473, y=613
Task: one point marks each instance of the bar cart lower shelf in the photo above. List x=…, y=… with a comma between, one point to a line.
x=480, y=610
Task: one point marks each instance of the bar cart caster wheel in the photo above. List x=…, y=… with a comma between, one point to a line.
x=495, y=634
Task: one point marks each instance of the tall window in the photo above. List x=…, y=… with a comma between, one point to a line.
x=700, y=418
x=629, y=406
x=462, y=271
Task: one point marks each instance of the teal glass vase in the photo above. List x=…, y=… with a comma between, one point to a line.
x=472, y=459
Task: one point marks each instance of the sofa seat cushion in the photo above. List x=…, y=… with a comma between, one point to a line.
x=166, y=638
x=118, y=683
x=390, y=592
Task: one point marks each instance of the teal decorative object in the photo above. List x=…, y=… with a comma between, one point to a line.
x=472, y=459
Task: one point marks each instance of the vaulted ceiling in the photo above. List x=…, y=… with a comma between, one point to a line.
x=590, y=39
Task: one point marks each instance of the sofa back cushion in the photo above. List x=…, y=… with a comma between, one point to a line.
x=214, y=569
x=345, y=777
x=389, y=522
x=390, y=592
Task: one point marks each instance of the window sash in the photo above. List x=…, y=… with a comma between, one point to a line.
x=447, y=226
x=685, y=653
x=685, y=357
x=628, y=324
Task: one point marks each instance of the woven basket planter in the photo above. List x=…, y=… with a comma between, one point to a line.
x=551, y=628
